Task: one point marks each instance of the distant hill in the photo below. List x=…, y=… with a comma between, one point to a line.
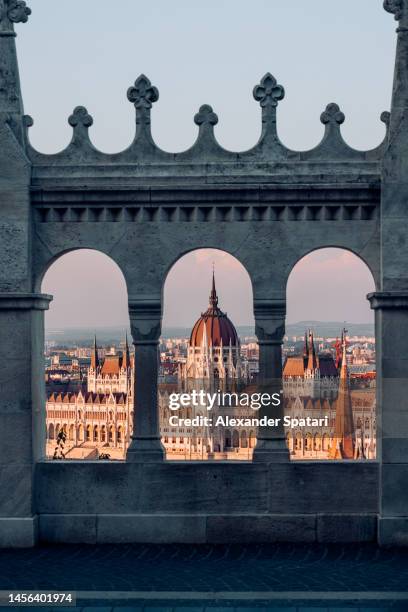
x=112, y=335
x=330, y=328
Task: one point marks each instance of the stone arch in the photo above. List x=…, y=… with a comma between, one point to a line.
x=368, y=259
x=235, y=439
x=46, y=264
x=251, y=439
x=93, y=265
x=244, y=439
x=228, y=438
x=341, y=274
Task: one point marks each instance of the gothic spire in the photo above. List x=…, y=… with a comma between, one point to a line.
x=312, y=361
x=11, y=102
x=213, y=294
x=94, y=356
x=343, y=439
x=306, y=347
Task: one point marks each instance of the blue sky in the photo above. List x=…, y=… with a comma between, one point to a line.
x=89, y=52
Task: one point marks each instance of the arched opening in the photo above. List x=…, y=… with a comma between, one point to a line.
x=87, y=355
x=51, y=432
x=208, y=348
x=329, y=368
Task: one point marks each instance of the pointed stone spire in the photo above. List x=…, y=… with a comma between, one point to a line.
x=213, y=294
x=94, y=356
x=343, y=439
x=11, y=103
x=312, y=361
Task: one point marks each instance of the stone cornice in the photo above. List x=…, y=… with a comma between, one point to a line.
x=25, y=301
x=381, y=300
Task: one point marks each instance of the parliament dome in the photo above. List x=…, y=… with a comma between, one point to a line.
x=214, y=328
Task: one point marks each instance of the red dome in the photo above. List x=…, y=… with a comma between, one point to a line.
x=215, y=323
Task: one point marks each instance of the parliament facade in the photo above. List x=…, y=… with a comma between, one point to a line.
x=97, y=420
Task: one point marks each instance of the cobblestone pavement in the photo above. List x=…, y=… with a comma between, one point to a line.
x=196, y=578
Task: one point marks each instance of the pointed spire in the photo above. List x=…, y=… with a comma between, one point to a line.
x=94, y=356
x=343, y=439
x=312, y=361
x=11, y=103
x=213, y=294
x=306, y=347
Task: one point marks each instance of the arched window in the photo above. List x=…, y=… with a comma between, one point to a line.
x=326, y=285
x=100, y=292
x=191, y=290
x=51, y=432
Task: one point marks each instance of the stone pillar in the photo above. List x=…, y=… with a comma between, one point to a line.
x=391, y=316
x=391, y=303
x=270, y=329
x=22, y=412
x=145, y=323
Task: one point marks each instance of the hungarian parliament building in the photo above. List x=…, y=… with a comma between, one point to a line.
x=95, y=421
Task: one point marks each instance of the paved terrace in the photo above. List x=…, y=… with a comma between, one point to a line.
x=239, y=578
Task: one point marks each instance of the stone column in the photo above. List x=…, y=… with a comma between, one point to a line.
x=145, y=323
x=22, y=412
x=270, y=329
x=391, y=316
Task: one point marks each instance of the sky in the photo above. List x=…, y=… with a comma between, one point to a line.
x=73, y=53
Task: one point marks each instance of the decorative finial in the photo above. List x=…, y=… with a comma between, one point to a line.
x=80, y=117
x=268, y=92
x=143, y=95
x=332, y=115
x=385, y=118
x=18, y=11
x=80, y=120
x=395, y=7
x=206, y=116
x=11, y=12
